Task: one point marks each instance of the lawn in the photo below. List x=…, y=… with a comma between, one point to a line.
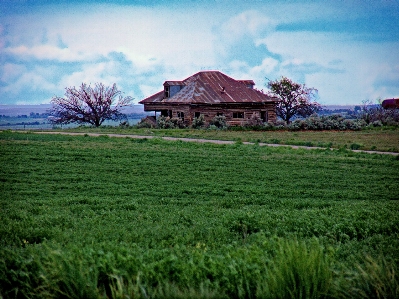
x=114, y=217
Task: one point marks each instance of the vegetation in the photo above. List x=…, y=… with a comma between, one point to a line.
x=331, y=122
x=165, y=122
x=294, y=99
x=98, y=217
x=378, y=116
x=218, y=122
x=374, y=138
x=198, y=122
x=88, y=105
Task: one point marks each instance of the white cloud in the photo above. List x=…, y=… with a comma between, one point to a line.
x=29, y=81
x=344, y=70
x=11, y=71
x=47, y=52
x=249, y=22
x=138, y=48
x=149, y=90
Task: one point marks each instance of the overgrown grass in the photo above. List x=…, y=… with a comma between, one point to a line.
x=90, y=217
x=382, y=139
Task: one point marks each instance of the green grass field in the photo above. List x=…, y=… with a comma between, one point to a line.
x=98, y=217
x=380, y=139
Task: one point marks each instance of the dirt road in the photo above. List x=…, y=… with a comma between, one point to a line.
x=206, y=141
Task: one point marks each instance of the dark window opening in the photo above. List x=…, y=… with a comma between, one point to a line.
x=180, y=115
x=167, y=91
x=166, y=113
x=263, y=116
x=238, y=114
x=197, y=114
x=219, y=114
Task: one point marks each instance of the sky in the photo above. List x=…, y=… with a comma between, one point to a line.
x=347, y=50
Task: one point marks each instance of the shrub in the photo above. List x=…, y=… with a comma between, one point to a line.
x=169, y=123
x=296, y=125
x=124, y=125
x=254, y=122
x=268, y=126
x=355, y=146
x=143, y=124
x=280, y=125
x=376, y=123
x=219, y=122
x=331, y=122
x=178, y=123
x=198, y=122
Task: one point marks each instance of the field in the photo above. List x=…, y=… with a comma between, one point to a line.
x=98, y=217
x=380, y=139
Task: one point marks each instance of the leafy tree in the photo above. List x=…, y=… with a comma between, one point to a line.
x=89, y=105
x=294, y=99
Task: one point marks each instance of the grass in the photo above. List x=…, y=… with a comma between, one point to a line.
x=381, y=139
x=97, y=217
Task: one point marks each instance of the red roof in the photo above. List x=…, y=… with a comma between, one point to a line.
x=211, y=87
x=390, y=103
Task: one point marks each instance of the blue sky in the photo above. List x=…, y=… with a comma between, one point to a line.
x=348, y=50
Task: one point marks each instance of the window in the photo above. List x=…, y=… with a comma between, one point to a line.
x=263, y=116
x=180, y=115
x=238, y=114
x=166, y=113
x=197, y=114
x=167, y=91
x=219, y=114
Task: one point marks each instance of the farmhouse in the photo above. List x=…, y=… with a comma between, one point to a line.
x=212, y=93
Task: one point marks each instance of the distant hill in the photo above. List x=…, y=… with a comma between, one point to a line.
x=15, y=110
x=340, y=107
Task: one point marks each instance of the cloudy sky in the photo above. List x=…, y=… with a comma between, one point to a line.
x=348, y=50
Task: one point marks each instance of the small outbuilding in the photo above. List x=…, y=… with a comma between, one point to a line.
x=212, y=93
x=390, y=104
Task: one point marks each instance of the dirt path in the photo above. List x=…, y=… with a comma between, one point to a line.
x=206, y=141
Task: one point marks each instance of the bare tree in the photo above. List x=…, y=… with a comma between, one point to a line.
x=89, y=105
x=372, y=112
x=294, y=99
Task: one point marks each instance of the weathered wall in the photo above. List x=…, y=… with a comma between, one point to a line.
x=209, y=112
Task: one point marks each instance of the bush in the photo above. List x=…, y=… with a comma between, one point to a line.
x=124, y=125
x=219, y=122
x=170, y=123
x=178, y=123
x=355, y=146
x=143, y=124
x=254, y=122
x=198, y=122
x=376, y=123
x=331, y=122
x=280, y=124
x=268, y=126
